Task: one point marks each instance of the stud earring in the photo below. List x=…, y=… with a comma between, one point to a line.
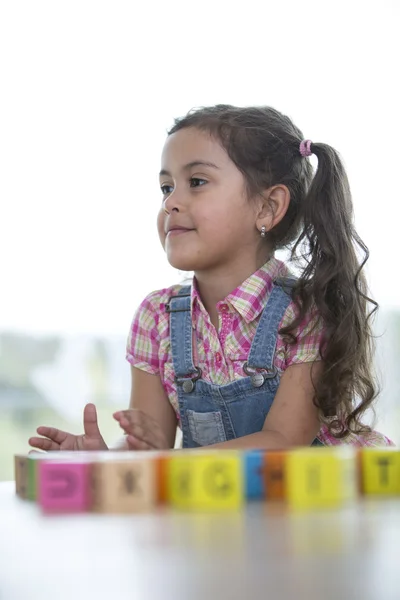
x=263, y=231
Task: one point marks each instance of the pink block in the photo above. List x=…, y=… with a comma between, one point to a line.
x=64, y=487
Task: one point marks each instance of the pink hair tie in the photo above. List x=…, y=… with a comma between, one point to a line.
x=305, y=148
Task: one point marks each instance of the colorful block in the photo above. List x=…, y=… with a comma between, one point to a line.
x=63, y=486
x=162, y=486
x=380, y=470
x=126, y=484
x=254, y=474
x=360, y=482
x=202, y=480
x=32, y=478
x=21, y=475
x=274, y=472
x=35, y=457
x=323, y=478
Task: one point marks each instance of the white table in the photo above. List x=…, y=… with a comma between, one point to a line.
x=262, y=553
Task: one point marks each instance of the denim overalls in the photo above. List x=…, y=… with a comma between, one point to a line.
x=210, y=413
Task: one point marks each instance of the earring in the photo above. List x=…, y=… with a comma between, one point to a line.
x=263, y=231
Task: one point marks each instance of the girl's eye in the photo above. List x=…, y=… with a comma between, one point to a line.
x=166, y=189
x=197, y=182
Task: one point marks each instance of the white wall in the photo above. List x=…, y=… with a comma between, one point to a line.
x=88, y=90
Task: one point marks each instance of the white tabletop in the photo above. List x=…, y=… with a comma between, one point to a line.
x=263, y=552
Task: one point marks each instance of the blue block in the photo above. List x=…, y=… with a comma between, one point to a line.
x=253, y=471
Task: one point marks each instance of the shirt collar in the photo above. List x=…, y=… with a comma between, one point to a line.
x=250, y=297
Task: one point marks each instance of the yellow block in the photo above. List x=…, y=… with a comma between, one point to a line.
x=380, y=470
x=206, y=480
x=321, y=477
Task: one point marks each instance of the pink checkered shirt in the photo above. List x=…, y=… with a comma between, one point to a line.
x=221, y=355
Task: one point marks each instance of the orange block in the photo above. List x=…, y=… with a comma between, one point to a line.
x=162, y=481
x=274, y=473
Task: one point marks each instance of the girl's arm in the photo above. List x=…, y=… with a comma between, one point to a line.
x=293, y=418
x=152, y=420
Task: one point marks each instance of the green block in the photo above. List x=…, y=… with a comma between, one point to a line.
x=32, y=478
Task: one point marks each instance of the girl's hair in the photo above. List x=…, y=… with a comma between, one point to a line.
x=318, y=228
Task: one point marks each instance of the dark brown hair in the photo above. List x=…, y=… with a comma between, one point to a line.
x=318, y=229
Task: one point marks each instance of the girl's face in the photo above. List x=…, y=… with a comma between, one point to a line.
x=206, y=221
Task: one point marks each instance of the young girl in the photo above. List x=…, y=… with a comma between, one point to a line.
x=249, y=356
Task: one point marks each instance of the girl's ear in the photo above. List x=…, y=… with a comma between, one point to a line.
x=273, y=207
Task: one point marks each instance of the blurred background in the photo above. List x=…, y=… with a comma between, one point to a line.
x=88, y=90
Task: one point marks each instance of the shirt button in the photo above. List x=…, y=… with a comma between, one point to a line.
x=218, y=358
x=224, y=308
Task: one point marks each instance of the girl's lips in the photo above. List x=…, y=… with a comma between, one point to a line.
x=173, y=232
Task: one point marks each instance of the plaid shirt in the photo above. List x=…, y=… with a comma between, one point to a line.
x=221, y=355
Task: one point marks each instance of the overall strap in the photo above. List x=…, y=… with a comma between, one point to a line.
x=264, y=343
x=181, y=332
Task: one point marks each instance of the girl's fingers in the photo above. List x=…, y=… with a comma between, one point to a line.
x=127, y=425
x=132, y=429
x=134, y=416
x=135, y=444
x=43, y=444
x=140, y=433
x=90, y=421
x=52, y=433
x=141, y=426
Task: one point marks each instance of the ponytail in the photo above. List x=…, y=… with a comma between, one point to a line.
x=333, y=279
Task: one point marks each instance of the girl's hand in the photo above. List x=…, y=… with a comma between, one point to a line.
x=143, y=432
x=55, y=439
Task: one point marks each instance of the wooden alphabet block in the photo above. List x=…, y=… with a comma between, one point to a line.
x=32, y=478
x=274, y=471
x=162, y=485
x=203, y=480
x=360, y=482
x=125, y=484
x=26, y=473
x=254, y=461
x=32, y=459
x=21, y=475
x=181, y=480
x=64, y=486
x=380, y=471
x=323, y=477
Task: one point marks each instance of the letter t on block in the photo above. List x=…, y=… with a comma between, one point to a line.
x=380, y=468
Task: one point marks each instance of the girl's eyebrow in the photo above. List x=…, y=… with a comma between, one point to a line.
x=194, y=163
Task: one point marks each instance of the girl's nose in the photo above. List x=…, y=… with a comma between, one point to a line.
x=172, y=203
